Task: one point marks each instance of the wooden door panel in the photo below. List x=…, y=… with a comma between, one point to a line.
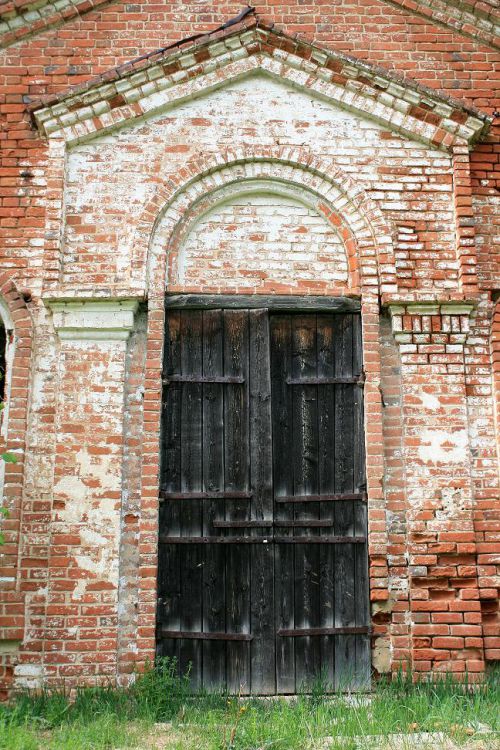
x=319, y=456
x=215, y=600
x=214, y=569
x=259, y=442
x=326, y=486
x=305, y=468
x=282, y=430
x=188, y=558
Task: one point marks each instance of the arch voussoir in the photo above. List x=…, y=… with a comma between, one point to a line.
x=364, y=227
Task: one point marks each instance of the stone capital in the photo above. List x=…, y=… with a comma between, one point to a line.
x=93, y=320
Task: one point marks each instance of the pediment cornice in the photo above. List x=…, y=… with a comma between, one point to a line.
x=195, y=66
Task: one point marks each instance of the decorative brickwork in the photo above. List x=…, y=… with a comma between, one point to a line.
x=159, y=80
x=329, y=194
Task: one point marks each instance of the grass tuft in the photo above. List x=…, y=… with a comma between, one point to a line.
x=159, y=711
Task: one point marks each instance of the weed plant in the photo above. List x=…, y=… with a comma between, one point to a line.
x=136, y=717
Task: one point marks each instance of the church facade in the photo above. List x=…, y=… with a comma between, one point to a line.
x=250, y=341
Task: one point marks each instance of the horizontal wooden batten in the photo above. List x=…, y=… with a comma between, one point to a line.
x=301, y=632
x=321, y=498
x=189, y=634
x=303, y=539
x=270, y=524
x=215, y=539
x=306, y=523
x=326, y=381
x=240, y=495
x=227, y=495
x=242, y=524
x=278, y=303
x=231, y=379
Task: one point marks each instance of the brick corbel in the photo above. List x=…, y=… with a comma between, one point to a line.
x=102, y=320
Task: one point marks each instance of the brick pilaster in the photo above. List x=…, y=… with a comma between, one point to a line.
x=444, y=607
x=81, y=622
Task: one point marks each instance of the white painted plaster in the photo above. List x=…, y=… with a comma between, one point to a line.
x=429, y=401
x=443, y=447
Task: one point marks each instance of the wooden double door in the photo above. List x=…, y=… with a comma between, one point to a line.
x=263, y=573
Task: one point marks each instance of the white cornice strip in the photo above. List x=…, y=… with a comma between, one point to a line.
x=110, y=320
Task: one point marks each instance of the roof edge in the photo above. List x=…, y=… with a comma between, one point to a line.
x=470, y=19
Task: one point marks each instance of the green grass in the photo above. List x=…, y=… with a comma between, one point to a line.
x=105, y=718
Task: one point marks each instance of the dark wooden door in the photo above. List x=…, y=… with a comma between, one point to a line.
x=262, y=558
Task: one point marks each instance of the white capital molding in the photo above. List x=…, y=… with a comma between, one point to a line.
x=93, y=320
x=461, y=311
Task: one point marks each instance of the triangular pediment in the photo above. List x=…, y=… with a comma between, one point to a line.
x=194, y=67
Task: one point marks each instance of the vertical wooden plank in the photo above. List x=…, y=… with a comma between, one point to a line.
x=326, y=481
x=345, y=615
x=357, y=371
x=305, y=461
x=169, y=583
x=281, y=356
x=190, y=557
x=236, y=468
x=214, y=605
x=262, y=574
x=362, y=601
x=362, y=604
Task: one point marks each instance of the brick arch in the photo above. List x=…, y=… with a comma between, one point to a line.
x=344, y=203
x=15, y=437
x=206, y=202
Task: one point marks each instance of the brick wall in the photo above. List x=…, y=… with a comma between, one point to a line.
x=488, y=520
x=338, y=200
x=262, y=242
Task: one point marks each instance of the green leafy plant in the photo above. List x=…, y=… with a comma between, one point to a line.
x=8, y=457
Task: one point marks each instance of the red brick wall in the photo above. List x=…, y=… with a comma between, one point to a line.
x=434, y=610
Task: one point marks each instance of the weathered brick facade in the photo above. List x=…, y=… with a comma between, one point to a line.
x=340, y=149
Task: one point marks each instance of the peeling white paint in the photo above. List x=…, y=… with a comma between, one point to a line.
x=430, y=402
x=29, y=676
x=440, y=446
